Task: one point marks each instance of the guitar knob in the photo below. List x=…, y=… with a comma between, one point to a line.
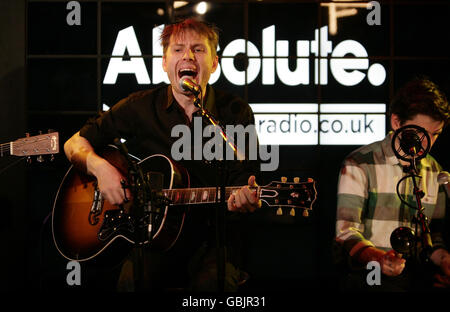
x=292, y=213
x=283, y=179
x=279, y=211
x=305, y=213
x=296, y=180
x=310, y=180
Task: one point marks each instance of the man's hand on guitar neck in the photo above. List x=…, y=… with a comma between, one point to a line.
x=245, y=199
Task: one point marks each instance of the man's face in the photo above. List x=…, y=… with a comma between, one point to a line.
x=433, y=127
x=189, y=56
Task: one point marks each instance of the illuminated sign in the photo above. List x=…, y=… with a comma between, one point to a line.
x=281, y=123
x=337, y=124
x=346, y=71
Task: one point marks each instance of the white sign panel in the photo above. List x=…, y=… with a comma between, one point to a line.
x=337, y=124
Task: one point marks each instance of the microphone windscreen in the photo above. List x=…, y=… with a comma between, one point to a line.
x=410, y=142
x=188, y=85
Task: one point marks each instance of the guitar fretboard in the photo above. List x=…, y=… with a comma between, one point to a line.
x=204, y=195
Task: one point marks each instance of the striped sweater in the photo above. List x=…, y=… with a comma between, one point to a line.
x=368, y=208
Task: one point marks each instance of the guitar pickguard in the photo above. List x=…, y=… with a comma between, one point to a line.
x=114, y=223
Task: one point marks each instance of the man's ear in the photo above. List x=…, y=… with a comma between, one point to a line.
x=215, y=64
x=395, y=122
x=164, y=65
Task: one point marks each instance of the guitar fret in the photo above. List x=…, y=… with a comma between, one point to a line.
x=199, y=195
x=204, y=195
x=177, y=197
x=210, y=195
x=184, y=196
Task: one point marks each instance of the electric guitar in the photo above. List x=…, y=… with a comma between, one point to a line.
x=42, y=144
x=84, y=224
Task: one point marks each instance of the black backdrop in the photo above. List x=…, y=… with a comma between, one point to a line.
x=51, y=78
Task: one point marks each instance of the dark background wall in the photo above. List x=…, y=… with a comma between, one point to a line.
x=60, y=87
x=13, y=190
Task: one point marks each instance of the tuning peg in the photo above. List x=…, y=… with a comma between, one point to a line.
x=29, y=161
x=292, y=212
x=296, y=180
x=27, y=134
x=279, y=211
x=283, y=179
x=40, y=159
x=305, y=213
x=52, y=157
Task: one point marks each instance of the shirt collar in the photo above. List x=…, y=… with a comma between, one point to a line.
x=170, y=98
x=209, y=101
x=386, y=146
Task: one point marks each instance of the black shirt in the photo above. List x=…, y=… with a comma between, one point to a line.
x=145, y=120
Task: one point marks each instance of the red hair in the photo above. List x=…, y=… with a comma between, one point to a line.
x=201, y=28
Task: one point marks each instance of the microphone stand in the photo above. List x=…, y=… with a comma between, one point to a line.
x=141, y=206
x=420, y=219
x=221, y=208
x=412, y=146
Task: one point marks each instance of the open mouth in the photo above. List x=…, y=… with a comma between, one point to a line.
x=187, y=72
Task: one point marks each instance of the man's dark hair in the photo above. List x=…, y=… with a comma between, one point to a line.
x=420, y=96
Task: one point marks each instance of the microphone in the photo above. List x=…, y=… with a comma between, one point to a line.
x=410, y=142
x=188, y=85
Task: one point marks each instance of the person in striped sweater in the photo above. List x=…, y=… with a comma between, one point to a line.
x=369, y=209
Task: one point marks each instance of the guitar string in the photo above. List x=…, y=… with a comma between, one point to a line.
x=182, y=192
x=11, y=164
x=191, y=196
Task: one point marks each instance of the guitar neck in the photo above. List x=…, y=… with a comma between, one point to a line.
x=204, y=195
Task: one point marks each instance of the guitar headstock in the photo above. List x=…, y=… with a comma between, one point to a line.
x=290, y=195
x=42, y=144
